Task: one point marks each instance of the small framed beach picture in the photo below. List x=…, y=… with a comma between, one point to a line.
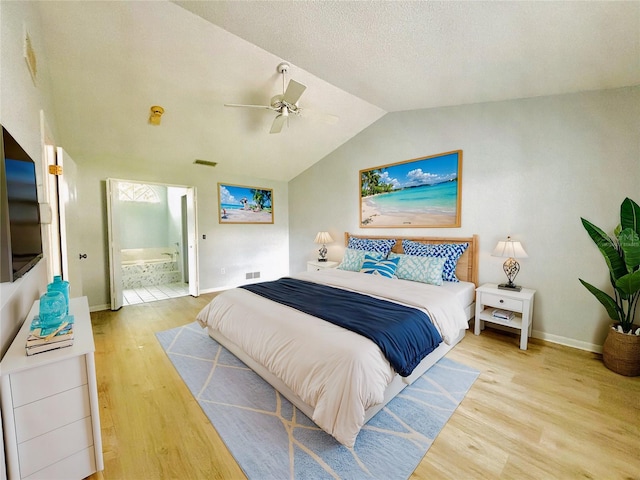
x=240, y=204
x=422, y=192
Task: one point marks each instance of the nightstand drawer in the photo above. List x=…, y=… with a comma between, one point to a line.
x=499, y=301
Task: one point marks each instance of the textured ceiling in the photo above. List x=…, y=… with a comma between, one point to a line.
x=405, y=55
x=110, y=61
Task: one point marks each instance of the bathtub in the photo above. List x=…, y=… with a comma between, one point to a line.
x=142, y=267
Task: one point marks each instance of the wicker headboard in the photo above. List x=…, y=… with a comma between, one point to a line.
x=467, y=267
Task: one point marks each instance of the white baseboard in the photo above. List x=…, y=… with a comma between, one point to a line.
x=214, y=290
x=548, y=337
x=98, y=308
x=568, y=342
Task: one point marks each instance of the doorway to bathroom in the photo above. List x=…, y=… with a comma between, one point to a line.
x=152, y=241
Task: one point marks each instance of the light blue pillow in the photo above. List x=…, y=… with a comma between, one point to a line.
x=378, y=245
x=419, y=269
x=385, y=268
x=451, y=251
x=353, y=259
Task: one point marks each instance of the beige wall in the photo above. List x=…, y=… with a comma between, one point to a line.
x=531, y=169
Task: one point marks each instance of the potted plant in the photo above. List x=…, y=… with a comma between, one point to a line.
x=621, y=350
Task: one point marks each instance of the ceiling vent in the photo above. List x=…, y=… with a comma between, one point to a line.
x=206, y=163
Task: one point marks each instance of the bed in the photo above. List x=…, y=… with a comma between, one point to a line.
x=339, y=378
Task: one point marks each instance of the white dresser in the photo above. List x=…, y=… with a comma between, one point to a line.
x=50, y=409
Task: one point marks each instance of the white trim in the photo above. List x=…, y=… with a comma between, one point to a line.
x=566, y=341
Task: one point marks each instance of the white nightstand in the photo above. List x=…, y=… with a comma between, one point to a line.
x=489, y=297
x=314, y=265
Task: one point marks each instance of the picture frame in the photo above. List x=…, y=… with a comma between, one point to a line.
x=244, y=204
x=423, y=192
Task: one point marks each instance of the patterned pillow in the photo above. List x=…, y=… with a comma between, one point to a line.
x=353, y=259
x=378, y=245
x=385, y=268
x=419, y=269
x=450, y=251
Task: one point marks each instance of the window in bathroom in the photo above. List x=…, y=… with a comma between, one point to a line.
x=137, y=192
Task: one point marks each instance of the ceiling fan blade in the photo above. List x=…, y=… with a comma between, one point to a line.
x=266, y=107
x=323, y=117
x=278, y=123
x=293, y=92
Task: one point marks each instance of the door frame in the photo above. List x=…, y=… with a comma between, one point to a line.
x=113, y=227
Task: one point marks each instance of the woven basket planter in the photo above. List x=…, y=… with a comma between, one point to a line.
x=621, y=353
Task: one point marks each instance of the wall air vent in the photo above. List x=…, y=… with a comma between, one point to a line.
x=206, y=163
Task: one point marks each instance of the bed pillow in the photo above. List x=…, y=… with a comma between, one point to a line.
x=353, y=259
x=419, y=269
x=378, y=245
x=385, y=268
x=450, y=251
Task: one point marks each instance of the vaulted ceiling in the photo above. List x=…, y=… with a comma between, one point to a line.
x=111, y=61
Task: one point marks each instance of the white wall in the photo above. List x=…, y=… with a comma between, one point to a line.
x=20, y=105
x=145, y=224
x=531, y=169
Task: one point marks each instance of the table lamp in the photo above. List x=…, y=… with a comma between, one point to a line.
x=510, y=250
x=323, y=238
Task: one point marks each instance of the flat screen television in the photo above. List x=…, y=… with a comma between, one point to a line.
x=21, y=234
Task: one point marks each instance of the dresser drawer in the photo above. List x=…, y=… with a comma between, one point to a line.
x=499, y=301
x=31, y=385
x=37, y=418
x=45, y=450
x=79, y=465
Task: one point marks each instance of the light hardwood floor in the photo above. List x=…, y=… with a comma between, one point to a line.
x=550, y=412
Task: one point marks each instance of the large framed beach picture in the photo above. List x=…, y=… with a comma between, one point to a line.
x=240, y=204
x=422, y=192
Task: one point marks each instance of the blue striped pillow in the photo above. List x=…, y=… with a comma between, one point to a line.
x=386, y=268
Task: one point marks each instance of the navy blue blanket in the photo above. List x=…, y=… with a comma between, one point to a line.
x=404, y=334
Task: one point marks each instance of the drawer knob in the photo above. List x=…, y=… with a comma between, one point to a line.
x=501, y=301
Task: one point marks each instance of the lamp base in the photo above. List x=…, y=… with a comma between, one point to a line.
x=510, y=286
x=322, y=259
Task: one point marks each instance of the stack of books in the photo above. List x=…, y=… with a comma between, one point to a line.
x=505, y=315
x=59, y=338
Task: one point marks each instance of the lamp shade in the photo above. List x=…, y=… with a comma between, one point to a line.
x=323, y=237
x=509, y=249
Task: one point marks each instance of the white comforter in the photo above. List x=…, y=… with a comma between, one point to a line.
x=337, y=372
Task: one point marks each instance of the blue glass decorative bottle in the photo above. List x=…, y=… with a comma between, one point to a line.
x=52, y=311
x=62, y=286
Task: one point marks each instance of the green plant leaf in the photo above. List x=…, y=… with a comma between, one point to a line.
x=608, y=302
x=608, y=249
x=630, y=215
x=629, y=242
x=630, y=283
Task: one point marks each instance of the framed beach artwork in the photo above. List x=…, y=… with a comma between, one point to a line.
x=240, y=204
x=422, y=192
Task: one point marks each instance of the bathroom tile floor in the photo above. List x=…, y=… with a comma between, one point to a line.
x=151, y=294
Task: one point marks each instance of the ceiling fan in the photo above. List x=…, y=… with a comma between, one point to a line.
x=285, y=104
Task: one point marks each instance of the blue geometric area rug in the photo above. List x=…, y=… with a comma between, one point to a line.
x=272, y=439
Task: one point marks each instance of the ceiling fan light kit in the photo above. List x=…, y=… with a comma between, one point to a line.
x=284, y=104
